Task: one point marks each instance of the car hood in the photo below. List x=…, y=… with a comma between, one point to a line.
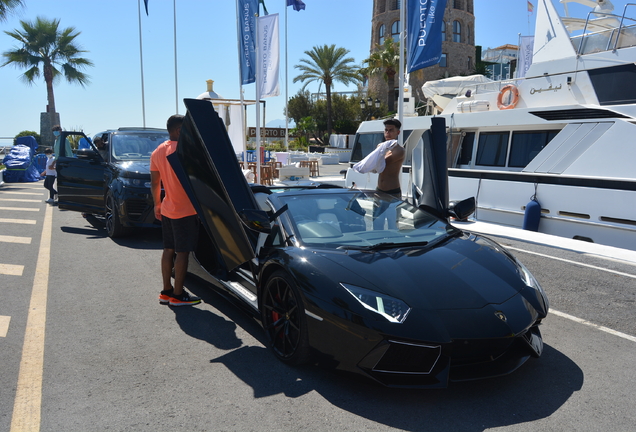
x=468, y=272
x=134, y=167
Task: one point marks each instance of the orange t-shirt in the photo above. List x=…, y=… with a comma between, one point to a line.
x=176, y=203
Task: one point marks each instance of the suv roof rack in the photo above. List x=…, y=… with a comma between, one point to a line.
x=140, y=128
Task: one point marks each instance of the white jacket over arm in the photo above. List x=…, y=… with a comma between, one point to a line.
x=374, y=162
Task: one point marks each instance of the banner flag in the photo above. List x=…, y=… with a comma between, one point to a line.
x=146, y=4
x=269, y=55
x=424, y=33
x=248, y=11
x=526, y=47
x=530, y=7
x=264, y=8
x=297, y=4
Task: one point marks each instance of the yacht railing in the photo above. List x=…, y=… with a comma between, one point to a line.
x=492, y=86
x=606, y=40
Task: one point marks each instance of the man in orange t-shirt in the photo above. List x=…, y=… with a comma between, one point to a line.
x=179, y=220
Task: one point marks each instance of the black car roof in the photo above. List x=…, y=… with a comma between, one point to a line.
x=140, y=129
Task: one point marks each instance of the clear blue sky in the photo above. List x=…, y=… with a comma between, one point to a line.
x=206, y=49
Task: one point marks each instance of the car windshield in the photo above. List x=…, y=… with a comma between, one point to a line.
x=135, y=146
x=361, y=221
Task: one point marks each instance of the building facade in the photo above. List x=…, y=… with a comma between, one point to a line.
x=458, y=45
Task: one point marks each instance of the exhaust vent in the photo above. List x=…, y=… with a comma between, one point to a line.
x=577, y=114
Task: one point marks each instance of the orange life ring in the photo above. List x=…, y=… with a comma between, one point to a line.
x=514, y=91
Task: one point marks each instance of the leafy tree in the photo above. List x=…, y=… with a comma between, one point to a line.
x=385, y=60
x=304, y=127
x=27, y=133
x=481, y=68
x=345, y=111
x=8, y=6
x=299, y=106
x=41, y=44
x=327, y=64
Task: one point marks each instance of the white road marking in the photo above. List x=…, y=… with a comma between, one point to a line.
x=4, y=325
x=591, y=324
x=573, y=262
x=27, y=407
x=18, y=221
x=11, y=269
x=23, y=193
x=20, y=209
x=14, y=239
x=20, y=200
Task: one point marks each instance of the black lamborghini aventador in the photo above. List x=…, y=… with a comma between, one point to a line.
x=357, y=279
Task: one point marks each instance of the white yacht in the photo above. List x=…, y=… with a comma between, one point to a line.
x=564, y=134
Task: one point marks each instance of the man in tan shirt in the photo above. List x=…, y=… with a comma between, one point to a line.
x=389, y=179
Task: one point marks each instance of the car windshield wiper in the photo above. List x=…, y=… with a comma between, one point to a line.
x=384, y=245
x=448, y=236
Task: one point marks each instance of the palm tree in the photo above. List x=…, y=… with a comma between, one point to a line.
x=385, y=59
x=327, y=64
x=8, y=6
x=42, y=43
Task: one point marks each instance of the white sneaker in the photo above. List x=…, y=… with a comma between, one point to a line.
x=49, y=201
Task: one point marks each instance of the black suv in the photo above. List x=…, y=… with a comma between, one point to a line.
x=113, y=182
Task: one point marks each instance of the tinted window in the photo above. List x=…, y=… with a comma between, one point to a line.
x=457, y=31
x=367, y=142
x=360, y=220
x=135, y=146
x=614, y=85
x=526, y=145
x=395, y=30
x=466, y=154
x=492, y=148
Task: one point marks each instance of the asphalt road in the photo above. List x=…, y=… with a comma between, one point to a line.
x=115, y=359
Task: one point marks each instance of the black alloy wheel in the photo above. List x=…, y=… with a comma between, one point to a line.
x=114, y=227
x=284, y=320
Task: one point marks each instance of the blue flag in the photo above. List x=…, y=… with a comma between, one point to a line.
x=247, y=12
x=424, y=33
x=297, y=4
x=146, y=4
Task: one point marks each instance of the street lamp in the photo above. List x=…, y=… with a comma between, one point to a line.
x=368, y=104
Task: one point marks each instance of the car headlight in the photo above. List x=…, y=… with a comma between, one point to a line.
x=136, y=182
x=530, y=281
x=392, y=309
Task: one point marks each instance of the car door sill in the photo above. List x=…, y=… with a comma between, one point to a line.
x=242, y=292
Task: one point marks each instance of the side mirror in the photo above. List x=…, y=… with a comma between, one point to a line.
x=256, y=220
x=88, y=154
x=460, y=210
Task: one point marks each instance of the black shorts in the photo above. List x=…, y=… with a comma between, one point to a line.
x=397, y=192
x=180, y=234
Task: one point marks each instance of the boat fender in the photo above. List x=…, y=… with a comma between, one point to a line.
x=532, y=215
x=514, y=92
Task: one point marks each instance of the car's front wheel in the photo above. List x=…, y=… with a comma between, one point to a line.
x=114, y=227
x=284, y=319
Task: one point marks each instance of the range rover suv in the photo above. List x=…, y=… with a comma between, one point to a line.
x=113, y=182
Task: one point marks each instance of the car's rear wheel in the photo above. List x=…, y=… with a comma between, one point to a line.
x=114, y=227
x=284, y=319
